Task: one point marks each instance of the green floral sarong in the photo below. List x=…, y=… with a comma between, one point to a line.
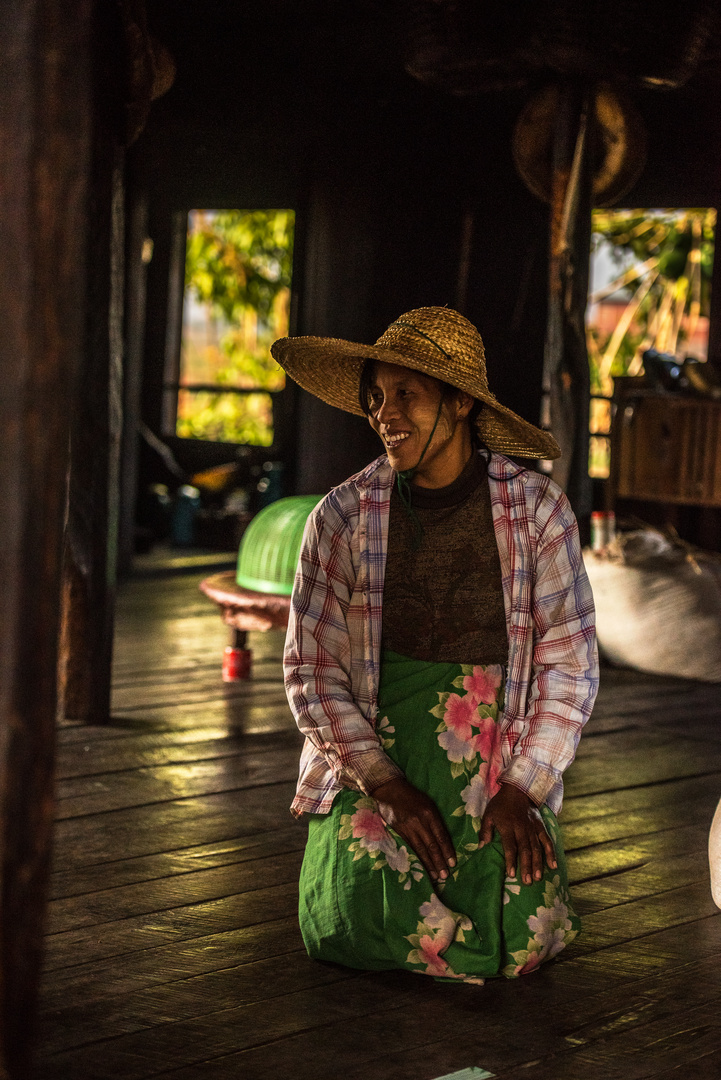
x=365, y=899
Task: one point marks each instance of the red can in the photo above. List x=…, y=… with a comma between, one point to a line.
x=603, y=529
x=236, y=664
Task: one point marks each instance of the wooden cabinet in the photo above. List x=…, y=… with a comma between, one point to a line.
x=665, y=447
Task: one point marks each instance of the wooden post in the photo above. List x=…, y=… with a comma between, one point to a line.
x=566, y=372
x=46, y=106
x=90, y=558
x=139, y=249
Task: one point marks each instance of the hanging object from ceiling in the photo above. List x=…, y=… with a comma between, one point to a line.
x=619, y=151
x=149, y=67
x=465, y=47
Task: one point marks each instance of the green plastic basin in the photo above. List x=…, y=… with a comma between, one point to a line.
x=270, y=547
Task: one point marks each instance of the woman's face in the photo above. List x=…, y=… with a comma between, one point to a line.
x=404, y=406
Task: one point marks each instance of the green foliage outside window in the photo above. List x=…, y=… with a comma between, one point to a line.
x=659, y=298
x=225, y=417
x=666, y=286
x=237, y=294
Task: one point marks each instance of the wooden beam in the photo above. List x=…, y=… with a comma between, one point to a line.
x=45, y=129
x=566, y=372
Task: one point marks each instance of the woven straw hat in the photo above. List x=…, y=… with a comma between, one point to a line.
x=435, y=340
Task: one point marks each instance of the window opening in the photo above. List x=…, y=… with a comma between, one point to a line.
x=236, y=301
x=650, y=288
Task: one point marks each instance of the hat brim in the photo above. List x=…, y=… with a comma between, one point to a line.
x=330, y=368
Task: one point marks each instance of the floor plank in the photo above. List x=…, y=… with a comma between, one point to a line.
x=146, y=830
x=90, y=879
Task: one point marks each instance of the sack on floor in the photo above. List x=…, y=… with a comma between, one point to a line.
x=658, y=605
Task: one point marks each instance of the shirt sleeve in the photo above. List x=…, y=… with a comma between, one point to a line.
x=317, y=658
x=564, y=679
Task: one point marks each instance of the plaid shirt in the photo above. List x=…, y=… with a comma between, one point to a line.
x=333, y=647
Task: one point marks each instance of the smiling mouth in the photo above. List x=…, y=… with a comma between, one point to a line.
x=392, y=441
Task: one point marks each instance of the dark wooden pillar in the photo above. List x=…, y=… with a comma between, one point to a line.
x=139, y=253
x=566, y=372
x=46, y=106
x=90, y=558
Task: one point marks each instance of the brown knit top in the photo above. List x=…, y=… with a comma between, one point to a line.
x=444, y=601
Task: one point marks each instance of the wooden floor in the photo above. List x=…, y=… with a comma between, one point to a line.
x=173, y=948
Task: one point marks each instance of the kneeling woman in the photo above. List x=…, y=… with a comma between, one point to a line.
x=440, y=661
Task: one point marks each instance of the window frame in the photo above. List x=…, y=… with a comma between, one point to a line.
x=611, y=398
x=283, y=400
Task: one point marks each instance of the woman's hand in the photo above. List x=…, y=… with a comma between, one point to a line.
x=415, y=817
x=523, y=834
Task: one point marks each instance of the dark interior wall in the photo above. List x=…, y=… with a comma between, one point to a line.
x=385, y=229
x=381, y=171
x=317, y=113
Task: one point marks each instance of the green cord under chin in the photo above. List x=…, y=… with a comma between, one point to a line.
x=403, y=482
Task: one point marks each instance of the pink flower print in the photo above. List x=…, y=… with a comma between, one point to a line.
x=439, y=928
x=459, y=715
x=456, y=749
x=483, y=684
x=534, y=961
x=549, y=927
x=488, y=744
x=556, y=944
x=397, y=857
x=488, y=740
x=436, y=916
x=475, y=796
x=369, y=829
x=429, y=949
x=494, y=769
x=483, y=786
